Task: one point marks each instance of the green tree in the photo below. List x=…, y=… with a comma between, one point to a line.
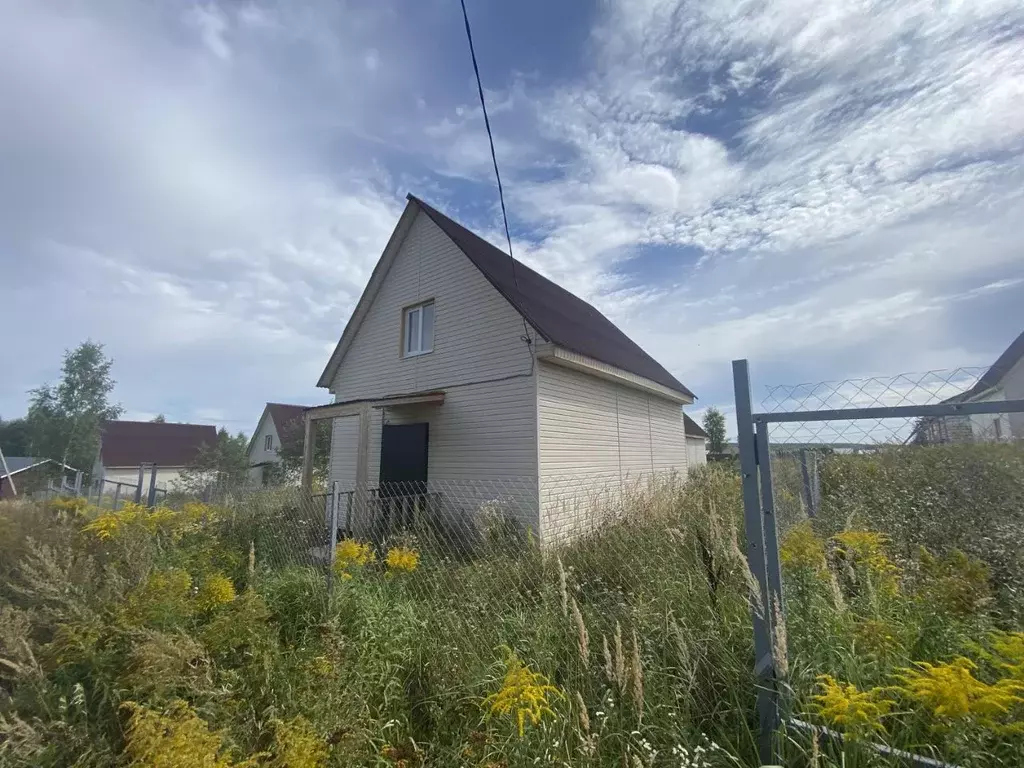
x=714, y=425
x=14, y=437
x=290, y=453
x=222, y=467
x=65, y=420
x=159, y=419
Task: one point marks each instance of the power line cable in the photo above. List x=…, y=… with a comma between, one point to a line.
x=494, y=159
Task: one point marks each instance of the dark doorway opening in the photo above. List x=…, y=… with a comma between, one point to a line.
x=402, y=485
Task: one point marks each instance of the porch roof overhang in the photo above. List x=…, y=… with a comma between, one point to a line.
x=353, y=407
x=360, y=407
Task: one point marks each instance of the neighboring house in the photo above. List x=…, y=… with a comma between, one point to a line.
x=696, y=447
x=486, y=384
x=172, y=448
x=279, y=424
x=29, y=475
x=1003, y=381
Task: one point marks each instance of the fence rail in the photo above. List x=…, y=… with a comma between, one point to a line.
x=875, y=414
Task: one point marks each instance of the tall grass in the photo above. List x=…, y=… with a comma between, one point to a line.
x=190, y=638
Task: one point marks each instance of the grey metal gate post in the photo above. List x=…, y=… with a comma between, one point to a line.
x=761, y=614
x=138, y=487
x=151, y=499
x=771, y=534
x=117, y=496
x=333, y=522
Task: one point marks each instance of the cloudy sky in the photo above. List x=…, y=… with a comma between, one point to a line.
x=830, y=188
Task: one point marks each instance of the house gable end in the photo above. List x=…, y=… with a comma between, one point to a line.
x=477, y=332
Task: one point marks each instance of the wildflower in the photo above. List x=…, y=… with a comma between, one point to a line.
x=845, y=705
x=1009, y=649
x=175, y=738
x=802, y=548
x=104, y=527
x=868, y=549
x=73, y=504
x=876, y=638
x=523, y=692
x=297, y=745
x=217, y=589
x=402, y=559
x=951, y=691
x=350, y=554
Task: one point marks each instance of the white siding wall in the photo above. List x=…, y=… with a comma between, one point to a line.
x=696, y=451
x=165, y=476
x=259, y=454
x=1013, y=387
x=597, y=440
x=482, y=441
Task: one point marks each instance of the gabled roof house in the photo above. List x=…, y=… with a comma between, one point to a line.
x=475, y=380
x=280, y=426
x=125, y=446
x=1003, y=381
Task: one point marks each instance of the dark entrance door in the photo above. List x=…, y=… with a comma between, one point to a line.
x=403, y=476
x=403, y=459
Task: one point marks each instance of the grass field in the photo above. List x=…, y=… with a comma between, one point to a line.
x=182, y=637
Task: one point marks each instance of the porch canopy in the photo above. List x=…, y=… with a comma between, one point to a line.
x=360, y=408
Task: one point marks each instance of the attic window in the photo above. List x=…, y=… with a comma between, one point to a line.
x=268, y=444
x=418, y=329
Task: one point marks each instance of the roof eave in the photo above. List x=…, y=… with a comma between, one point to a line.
x=369, y=293
x=568, y=359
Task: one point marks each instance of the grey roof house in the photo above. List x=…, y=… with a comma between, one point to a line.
x=479, y=381
x=1003, y=381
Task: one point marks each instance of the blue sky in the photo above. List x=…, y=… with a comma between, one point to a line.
x=829, y=189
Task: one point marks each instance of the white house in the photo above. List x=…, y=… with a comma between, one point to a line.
x=696, y=442
x=279, y=424
x=1003, y=381
x=127, y=446
x=471, y=378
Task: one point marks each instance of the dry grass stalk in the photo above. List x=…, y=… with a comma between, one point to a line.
x=815, y=750
x=563, y=587
x=637, y=762
x=686, y=663
x=583, y=716
x=252, y=564
x=637, y=675
x=609, y=665
x=620, y=659
x=779, y=641
x=582, y=638
x=837, y=592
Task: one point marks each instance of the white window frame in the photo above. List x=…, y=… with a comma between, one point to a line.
x=413, y=342
x=268, y=443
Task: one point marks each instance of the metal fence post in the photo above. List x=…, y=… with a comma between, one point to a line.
x=138, y=488
x=771, y=535
x=764, y=662
x=78, y=482
x=117, y=496
x=151, y=500
x=333, y=538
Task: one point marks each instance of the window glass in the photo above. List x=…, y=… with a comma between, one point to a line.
x=427, y=330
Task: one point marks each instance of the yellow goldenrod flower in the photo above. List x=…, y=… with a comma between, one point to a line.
x=802, y=548
x=1009, y=650
x=216, y=589
x=297, y=745
x=523, y=692
x=847, y=706
x=351, y=554
x=73, y=504
x=868, y=549
x=402, y=559
x=105, y=527
x=951, y=691
x=175, y=738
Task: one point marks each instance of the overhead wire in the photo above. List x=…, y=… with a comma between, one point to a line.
x=494, y=160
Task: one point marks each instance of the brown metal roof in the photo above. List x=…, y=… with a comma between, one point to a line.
x=559, y=316
x=287, y=421
x=130, y=443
